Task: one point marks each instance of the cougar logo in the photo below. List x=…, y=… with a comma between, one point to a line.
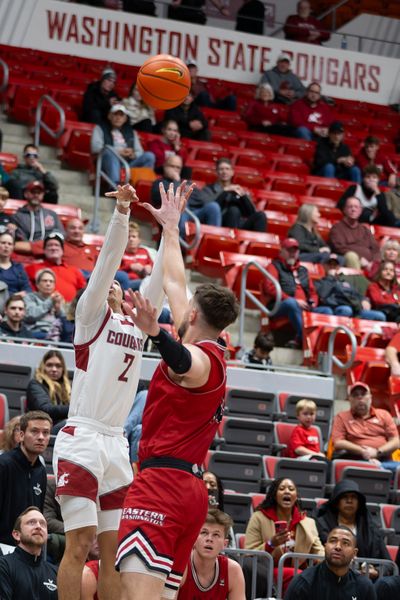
x=37, y=489
x=63, y=480
x=50, y=585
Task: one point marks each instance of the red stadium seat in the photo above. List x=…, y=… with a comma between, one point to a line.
x=233, y=264
x=8, y=161
x=316, y=331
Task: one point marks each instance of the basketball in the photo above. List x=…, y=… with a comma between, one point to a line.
x=163, y=81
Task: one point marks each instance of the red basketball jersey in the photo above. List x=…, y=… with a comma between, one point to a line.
x=181, y=422
x=217, y=590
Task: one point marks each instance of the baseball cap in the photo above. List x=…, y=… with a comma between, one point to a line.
x=34, y=185
x=336, y=127
x=118, y=108
x=54, y=235
x=284, y=56
x=109, y=73
x=332, y=257
x=358, y=384
x=290, y=243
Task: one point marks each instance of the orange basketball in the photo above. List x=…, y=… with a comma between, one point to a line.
x=163, y=81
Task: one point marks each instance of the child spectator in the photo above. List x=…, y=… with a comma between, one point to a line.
x=260, y=353
x=304, y=441
x=136, y=261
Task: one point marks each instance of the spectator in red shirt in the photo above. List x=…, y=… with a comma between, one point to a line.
x=390, y=250
x=310, y=115
x=68, y=279
x=136, y=261
x=263, y=115
x=304, y=442
x=169, y=144
x=298, y=292
x=76, y=252
x=384, y=293
x=303, y=27
x=371, y=155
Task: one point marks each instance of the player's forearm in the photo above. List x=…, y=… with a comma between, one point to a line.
x=174, y=279
x=390, y=446
x=155, y=291
x=349, y=446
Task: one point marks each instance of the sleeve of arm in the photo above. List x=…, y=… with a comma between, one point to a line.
x=97, y=140
x=268, y=286
x=157, y=149
x=137, y=146
x=154, y=290
x=54, y=524
x=59, y=225
x=6, y=585
x=338, y=245
x=298, y=589
x=374, y=294
x=321, y=157
x=390, y=219
x=23, y=280
x=253, y=539
x=50, y=181
x=34, y=311
x=338, y=429
x=346, y=194
x=38, y=399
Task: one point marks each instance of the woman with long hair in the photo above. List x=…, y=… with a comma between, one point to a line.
x=10, y=438
x=50, y=389
x=390, y=250
x=12, y=273
x=305, y=230
x=384, y=292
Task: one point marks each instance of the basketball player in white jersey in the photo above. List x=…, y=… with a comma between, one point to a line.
x=91, y=457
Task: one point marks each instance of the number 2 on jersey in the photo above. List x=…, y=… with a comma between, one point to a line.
x=128, y=358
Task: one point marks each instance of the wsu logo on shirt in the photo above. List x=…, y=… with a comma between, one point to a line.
x=50, y=585
x=37, y=489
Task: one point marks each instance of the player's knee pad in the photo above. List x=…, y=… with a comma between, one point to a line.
x=77, y=512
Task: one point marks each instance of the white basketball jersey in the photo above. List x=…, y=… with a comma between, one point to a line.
x=107, y=372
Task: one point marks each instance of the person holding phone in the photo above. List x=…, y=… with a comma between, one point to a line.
x=278, y=525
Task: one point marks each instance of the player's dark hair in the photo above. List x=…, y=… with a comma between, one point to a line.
x=218, y=305
x=270, y=497
x=264, y=341
x=17, y=524
x=34, y=415
x=217, y=517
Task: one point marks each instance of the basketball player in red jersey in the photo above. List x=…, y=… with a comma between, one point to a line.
x=209, y=574
x=167, y=504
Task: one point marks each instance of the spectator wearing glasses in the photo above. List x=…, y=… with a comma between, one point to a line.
x=311, y=116
x=33, y=170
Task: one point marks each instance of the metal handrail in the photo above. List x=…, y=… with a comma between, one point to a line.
x=254, y=555
x=94, y=225
x=39, y=124
x=244, y=293
x=196, y=237
x=6, y=73
x=331, y=358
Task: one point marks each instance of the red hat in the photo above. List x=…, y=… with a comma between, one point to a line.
x=34, y=185
x=290, y=243
x=358, y=384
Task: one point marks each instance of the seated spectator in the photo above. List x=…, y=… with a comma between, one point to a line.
x=32, y=220
x=304, y=442
x=333, y=158
x=99, y=97
x=371, y=156
x=388, y=588
x=237, y=207
x=206, y=210
x=353, y=239
x=169, y=143
x=347, y=506
x=390, y=250
x=136, y=261
x=311, y=116
x=298, y=292
x=45, y=308
x=69, y=279
x=392, y=198
x=6, y=220
x=262, y=115
x=305, y=230
x=286, y=85
x=250, y=17
x=336, y=292
x=201, y=93
x=11, y=435
x=12, y=323
x=373, y=201
x=303, y=27
x=50, y=389
x=215, y=489
x=32, y=170
x=117, y=132
x=12, y=273
x=25, y=573
x=55, y=523
x=68, y=320
x=365, y=432
x=281, y=503
x=384, y=292
x=141, y=116
x=191, y=121
x=260, y=353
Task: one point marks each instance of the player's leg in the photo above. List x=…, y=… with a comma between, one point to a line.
x=137, y=586
x=109, y=578
x=77, y=546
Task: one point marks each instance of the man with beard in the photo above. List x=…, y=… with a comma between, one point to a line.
x=333, y=577
x=183, y=408
x=14, y=313
x=25, y=574
x=372, y=199
x=365, y=432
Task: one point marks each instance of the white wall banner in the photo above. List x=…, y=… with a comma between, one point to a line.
x=115, y=36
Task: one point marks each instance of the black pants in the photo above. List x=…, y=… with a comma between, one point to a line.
x=232, y=217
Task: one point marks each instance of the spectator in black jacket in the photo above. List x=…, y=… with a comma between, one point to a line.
x=333, y=578
x=191, y=121
x=99, y=97
x=347, y=506
x=12, y=323
x=373, y=202
x=22, y=474
x=25, y=573
x=33, y=170
x=50, y=389
x=388, y=588
x=333, y=158
x=305, y=231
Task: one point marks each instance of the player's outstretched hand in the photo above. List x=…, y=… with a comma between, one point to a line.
x=172, y=204
x=143, y=313
x=124, y=193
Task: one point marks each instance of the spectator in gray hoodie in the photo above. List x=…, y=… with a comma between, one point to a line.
x=286, y=85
